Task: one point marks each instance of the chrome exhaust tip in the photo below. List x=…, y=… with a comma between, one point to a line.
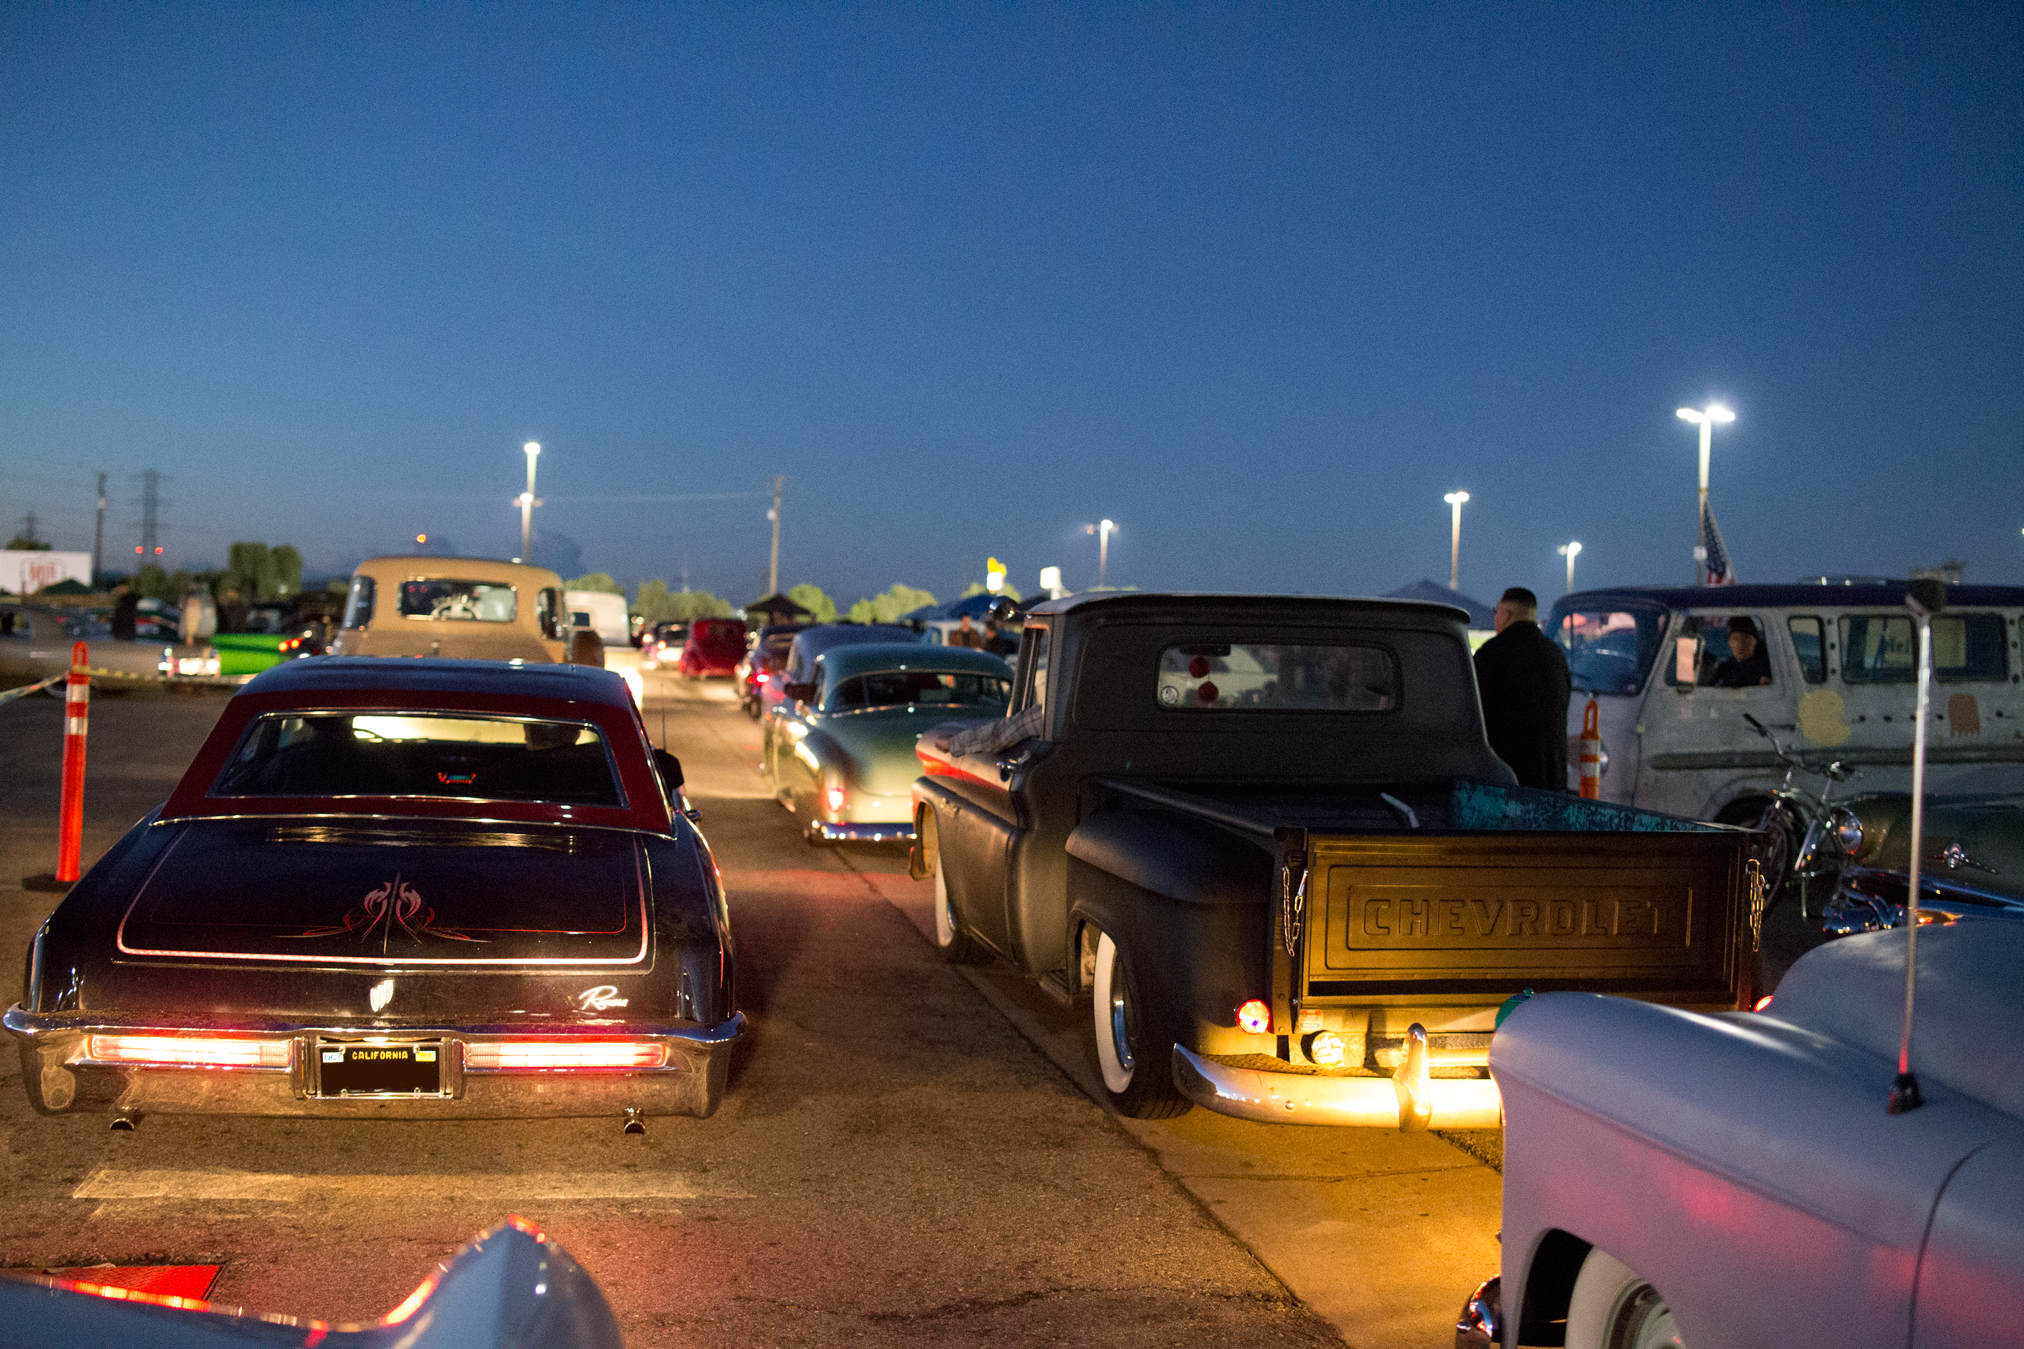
x=125, y=1121
x=635, y=1121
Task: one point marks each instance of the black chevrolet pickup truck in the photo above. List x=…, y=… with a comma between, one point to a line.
x=1267, y=837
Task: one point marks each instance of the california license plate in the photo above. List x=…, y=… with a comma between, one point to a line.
x=347, y=1068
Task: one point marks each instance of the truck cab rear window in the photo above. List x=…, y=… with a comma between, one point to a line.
x=1277, y=677
x=465, y=601
x=324, y=754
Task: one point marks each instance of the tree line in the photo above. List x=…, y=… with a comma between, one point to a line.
x=656, y=603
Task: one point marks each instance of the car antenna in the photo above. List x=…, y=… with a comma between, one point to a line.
x=1925, y=597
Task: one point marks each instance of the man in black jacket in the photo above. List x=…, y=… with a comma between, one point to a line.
x=125, y=611
x=1521, y=675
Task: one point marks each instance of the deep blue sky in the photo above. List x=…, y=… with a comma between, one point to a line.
x=1258, y=284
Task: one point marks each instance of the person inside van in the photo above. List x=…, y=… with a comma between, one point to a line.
x=1749, y=664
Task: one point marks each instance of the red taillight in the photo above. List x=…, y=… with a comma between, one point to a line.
x=835, y=795
x=1255, y=1017
x=189, y=1051
x=539, y=1054
x=1761, y=1003
x=759, y=679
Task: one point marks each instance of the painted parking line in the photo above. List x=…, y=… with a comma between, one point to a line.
x=173, y=1186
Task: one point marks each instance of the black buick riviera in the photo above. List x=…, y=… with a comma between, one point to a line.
x=397, y=888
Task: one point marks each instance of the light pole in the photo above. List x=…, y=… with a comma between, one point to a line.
x=773, y=567
x=1704, y=418
x=1103, y=530
x=1570, y=551
x=528, y=503
x=1455, y=499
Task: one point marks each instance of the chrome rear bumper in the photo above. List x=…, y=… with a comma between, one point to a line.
x=1409, y=1099
x=830, y=831
x=61, y=1076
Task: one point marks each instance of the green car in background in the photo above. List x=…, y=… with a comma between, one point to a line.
x=839, y=751
x=246, y=653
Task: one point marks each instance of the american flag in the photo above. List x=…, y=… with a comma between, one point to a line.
x=1720, y=573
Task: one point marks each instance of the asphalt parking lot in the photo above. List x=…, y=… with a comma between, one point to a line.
x=896, y=1163
x=910, y=1153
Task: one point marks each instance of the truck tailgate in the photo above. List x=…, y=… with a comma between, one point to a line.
x=1452, y=917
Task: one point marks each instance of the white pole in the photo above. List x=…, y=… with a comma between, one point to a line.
x=533, y=449
x=1904, y=1094
x=1455, y=499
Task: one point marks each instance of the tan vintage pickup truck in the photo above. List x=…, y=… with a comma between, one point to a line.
x=463, y=607
x=1266, y=838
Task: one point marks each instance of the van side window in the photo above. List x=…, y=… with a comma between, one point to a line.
x=358, y=603
x=1809, y=643
x=1883, y=648
x=1032, y=670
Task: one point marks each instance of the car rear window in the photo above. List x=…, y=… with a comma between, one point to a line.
x=1280, y=677
x=325, y=754
x=921, y=688
x=459, y=601
x=719, y=631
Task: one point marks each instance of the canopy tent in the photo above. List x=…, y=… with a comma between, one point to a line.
x=1482, y=617
x=979, y=607
x=777, y=608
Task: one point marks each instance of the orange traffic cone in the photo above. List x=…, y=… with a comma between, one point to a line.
x=1591, y=752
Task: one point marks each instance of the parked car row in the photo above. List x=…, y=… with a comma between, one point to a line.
x=1264, y=837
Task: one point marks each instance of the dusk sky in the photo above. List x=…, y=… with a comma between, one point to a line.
x=1259, y=284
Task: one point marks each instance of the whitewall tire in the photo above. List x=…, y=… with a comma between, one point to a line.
x=1615, y=1307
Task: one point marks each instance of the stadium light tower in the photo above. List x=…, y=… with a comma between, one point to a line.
x=1103, y=529
x=1570, y=551
x=1705, y=418
x=1455, y=499
x=528, y=503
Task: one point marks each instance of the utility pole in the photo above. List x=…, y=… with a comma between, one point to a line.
x=98, y=532
x=151, y=505
x=773, y=568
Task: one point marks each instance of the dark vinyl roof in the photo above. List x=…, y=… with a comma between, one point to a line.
x=1891, y=596
x=330, y=674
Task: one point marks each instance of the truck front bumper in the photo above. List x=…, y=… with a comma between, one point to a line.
x=1409, y=1099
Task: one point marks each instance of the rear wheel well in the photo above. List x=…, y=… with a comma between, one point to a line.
x=1082, y=938
x=1744, y=810
x=926, y=856
x=1549, y=1287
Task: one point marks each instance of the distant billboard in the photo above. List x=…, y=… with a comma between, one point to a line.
x=25, y=571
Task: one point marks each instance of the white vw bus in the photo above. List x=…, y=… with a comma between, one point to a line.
x=1843, y=660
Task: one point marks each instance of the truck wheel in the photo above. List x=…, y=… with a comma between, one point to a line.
x=957, y=946
x=1615, y=1307
x=1137, y=1064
